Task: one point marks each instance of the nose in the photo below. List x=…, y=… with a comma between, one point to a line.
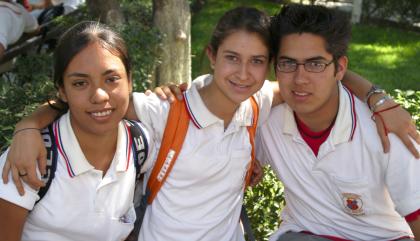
x=300, y=75
x=243, y=71
x=99, y=95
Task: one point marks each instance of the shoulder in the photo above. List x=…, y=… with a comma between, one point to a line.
x=264, y=98
x=9, y=192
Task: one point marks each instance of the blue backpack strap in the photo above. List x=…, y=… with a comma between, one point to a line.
x=49, y=141
x=140, y=146
x=140, y=149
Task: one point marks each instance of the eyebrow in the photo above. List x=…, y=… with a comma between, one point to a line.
x=77, y=74
x=309, y=59
x=254, y=56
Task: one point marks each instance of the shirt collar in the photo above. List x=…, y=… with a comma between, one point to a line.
x=345, y=123
x=76, y=163
x=199, y=113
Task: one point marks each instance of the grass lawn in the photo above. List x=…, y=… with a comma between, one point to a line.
x=386, y=56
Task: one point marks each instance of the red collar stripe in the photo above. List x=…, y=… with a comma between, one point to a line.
x=190, y=113
x=60, y=148
x=128, y=145
x=353, y=112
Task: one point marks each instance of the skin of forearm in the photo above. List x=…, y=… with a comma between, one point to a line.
x=40, y=118
x=359, y=85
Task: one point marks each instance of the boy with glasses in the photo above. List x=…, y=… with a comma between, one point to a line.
x=323, y=145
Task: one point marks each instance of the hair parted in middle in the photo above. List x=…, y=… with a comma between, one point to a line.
x=248, y=19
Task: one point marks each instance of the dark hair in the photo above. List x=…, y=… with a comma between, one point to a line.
x=77, y=38
x=249, y=19
x=331, y=25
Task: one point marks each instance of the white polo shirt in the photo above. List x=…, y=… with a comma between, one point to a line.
x=202, y=196
x=14, y=21
x=352, y=190
x=81, y=204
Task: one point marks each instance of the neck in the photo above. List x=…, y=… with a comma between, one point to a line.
x=218, y=104
x=99, y=150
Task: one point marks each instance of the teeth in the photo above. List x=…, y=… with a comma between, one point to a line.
x=300, y=93
x=239, y=85
x=102, y=113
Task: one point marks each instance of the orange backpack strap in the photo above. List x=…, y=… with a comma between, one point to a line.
x=173, y=137
x=251, y=131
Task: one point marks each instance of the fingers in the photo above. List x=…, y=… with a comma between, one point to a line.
x=382, y=135
x=176, y=91
x=42, y=161
x=5, y=173
x=148, y=92
x=257, y=174
x=17, y=181
x=160, y=93
x=414, y=133
x=32, y=179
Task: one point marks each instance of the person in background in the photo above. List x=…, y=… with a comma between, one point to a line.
x=15, y=20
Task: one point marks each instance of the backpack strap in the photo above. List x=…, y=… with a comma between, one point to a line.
x=252, y=131
x=139, y=145
x=173, y=137
x=50, y=145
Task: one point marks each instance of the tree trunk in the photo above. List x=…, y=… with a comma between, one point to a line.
x=356, y=13
x=173, y=19
x=106, y=11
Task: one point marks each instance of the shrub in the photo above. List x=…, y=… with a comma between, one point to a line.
x=30, y=83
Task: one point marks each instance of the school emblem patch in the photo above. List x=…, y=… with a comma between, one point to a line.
x=353, y=203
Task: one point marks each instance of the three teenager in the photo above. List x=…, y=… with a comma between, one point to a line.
x=201, y=199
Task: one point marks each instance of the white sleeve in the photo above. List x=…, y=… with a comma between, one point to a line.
x=260, y=152
x=152, y=112
x=31, y=24
x=5, y=25
x=264, y=99
x=9, y=192
x=403, y=177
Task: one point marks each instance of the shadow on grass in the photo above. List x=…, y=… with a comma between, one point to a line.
x=386, y=56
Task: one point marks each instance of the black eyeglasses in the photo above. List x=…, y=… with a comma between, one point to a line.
x=313, y=66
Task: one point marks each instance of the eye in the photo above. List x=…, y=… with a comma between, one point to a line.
x=257, y=61
x=315, y=64
x=232, y=58
x=112, y=79
x=79, y=83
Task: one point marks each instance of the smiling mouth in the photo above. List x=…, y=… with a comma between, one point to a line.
x=239, y=85
x=301, y=94
x=101, y=113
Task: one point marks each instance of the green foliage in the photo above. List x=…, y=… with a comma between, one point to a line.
x=30, y=83
x=406, y=11
x=410, y=100
x=22, y=90
x=264, y=204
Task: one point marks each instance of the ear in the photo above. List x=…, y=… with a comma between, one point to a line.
x=211, y=55
x=62, y=94
x=341, y=67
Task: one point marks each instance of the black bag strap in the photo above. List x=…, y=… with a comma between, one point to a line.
x=139, y=146
x=50, y=145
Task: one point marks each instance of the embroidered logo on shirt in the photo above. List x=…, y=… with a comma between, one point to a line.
x=353, y=203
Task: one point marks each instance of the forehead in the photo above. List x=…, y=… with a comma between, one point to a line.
x=95, y=56
x=244, y=42
x=303, y=46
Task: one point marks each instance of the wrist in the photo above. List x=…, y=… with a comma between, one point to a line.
x=381, y=102
x=26, y=123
